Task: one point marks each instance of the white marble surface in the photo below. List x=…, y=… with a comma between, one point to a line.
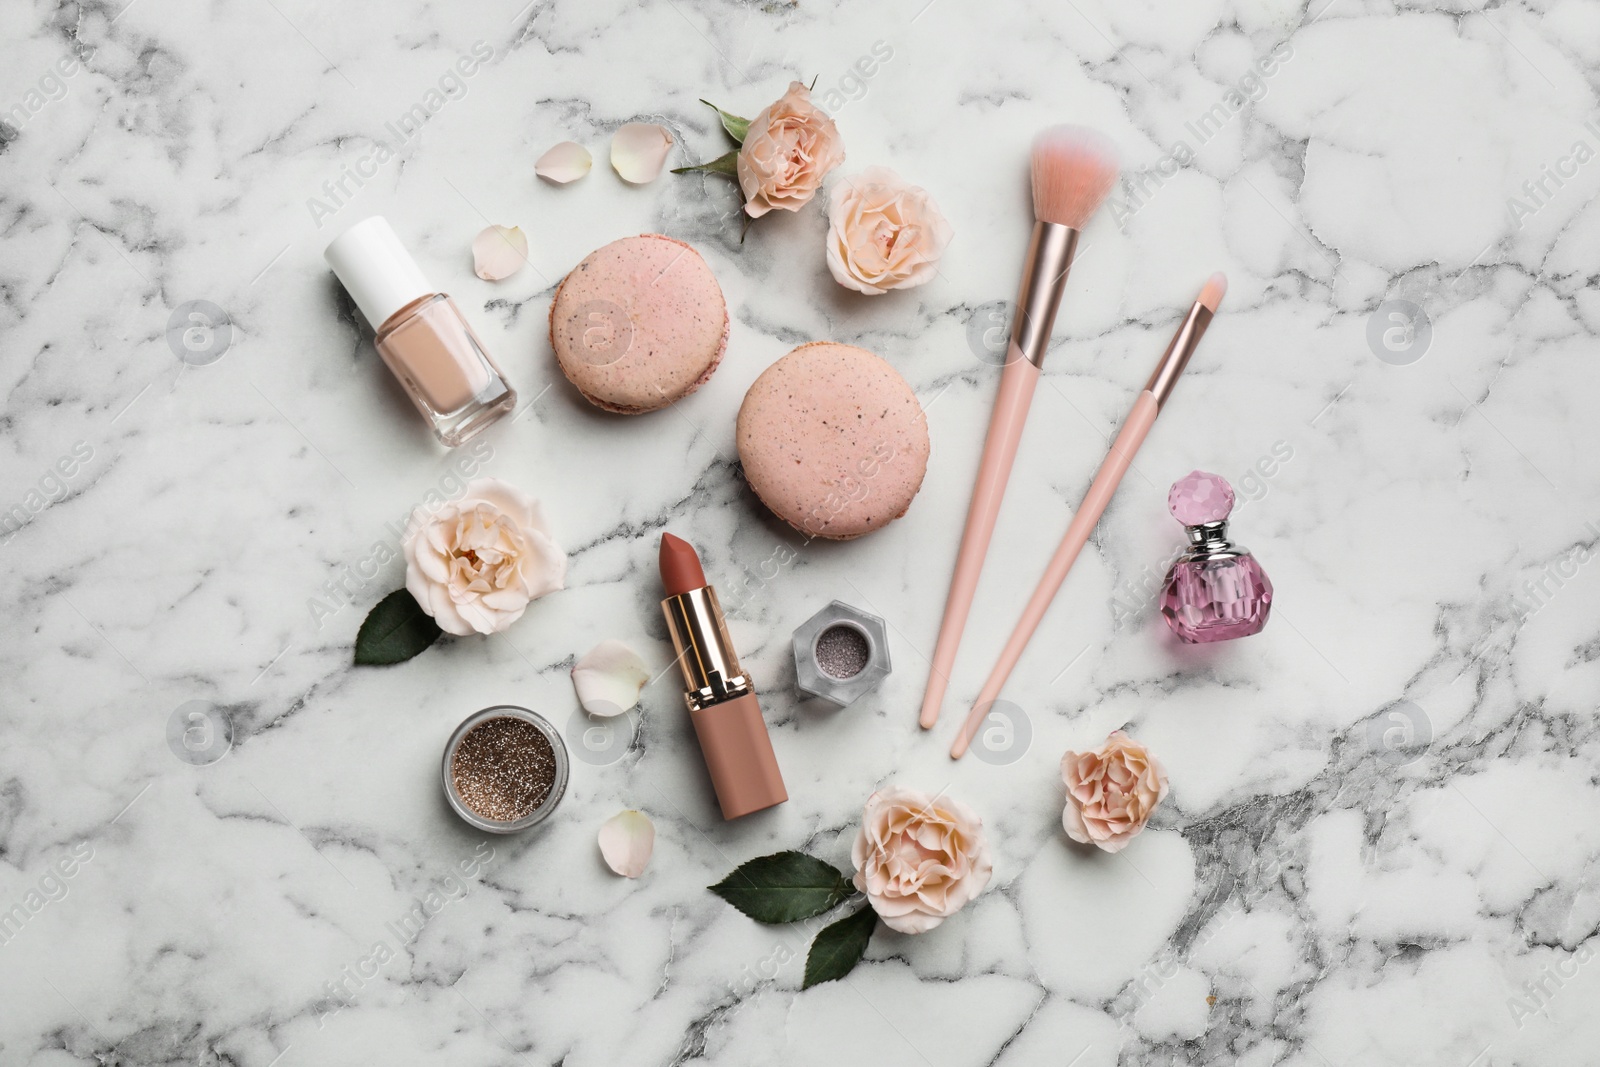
x=1307, y=895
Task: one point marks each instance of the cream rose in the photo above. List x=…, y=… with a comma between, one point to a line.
x=474, y=564
x=788, y=149
x=883, y=233
x=1111, y=792
x=919, y=859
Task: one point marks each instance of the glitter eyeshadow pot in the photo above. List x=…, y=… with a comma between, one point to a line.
x=840, y=654
x=505, y=769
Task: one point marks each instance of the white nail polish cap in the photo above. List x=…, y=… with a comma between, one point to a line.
x=376, y=270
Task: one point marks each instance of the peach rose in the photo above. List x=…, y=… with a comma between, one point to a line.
x=476, y=563
x=919, y=859
x=1111, y=792
x=788, y=149
x=883, y=233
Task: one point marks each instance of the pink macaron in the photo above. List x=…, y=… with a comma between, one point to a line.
x=833, y=440
x=639, y=323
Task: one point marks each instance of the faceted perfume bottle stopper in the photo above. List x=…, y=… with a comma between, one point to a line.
x=1200, y=497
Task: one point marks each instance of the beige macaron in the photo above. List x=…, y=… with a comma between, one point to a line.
x=833, y=440
x=639, y=323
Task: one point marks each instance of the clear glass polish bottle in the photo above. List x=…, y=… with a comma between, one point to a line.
x=421, y=334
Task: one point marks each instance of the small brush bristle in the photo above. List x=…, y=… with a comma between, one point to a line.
x=1074, y=169
x=1215, y=287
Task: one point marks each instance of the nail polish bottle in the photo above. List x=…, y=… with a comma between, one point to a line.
x=421, y=335
x=1216, y=590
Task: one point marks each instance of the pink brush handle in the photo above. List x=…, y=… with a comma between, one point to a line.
x=1138, y=424
x=1017, y=383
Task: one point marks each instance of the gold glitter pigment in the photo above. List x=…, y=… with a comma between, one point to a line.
x=504, y=769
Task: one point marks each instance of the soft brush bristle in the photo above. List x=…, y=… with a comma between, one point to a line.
x=1074, y=169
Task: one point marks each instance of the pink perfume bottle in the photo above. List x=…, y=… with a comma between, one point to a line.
x=1216, y=590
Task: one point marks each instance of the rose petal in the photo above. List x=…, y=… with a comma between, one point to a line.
x=914, y=922
x=548, y=572
x=639, y=151
x=566, y=162
x=443, y=610
x=505, y=498
x=608, y=679
x=499, y=252
x=626, y=841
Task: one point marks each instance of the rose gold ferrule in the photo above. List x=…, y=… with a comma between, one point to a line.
x=1044, y=279
x=711, y=671
x=1184, y=342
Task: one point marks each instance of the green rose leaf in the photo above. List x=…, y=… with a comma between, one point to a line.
x=736, y=126
x=394, y=631
x=783, y=887
x=721, y=165
x=839, y=947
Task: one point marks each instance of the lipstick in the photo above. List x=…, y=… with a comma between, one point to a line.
x=722, y=702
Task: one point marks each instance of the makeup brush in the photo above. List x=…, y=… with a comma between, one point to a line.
x=1074, y=169
x=1145, y=409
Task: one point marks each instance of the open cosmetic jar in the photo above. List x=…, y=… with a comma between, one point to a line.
x=841, y=653
x=505, y=769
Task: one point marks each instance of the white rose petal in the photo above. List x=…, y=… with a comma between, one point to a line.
x=499, y=252
x=626, y=841
x=639, y=151
x=566, y=162
x=608, y=679
x=476, y=563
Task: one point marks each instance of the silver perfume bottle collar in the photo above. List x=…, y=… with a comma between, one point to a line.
x=1209, y=541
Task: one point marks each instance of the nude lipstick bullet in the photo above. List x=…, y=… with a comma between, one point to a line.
x=722, y=702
